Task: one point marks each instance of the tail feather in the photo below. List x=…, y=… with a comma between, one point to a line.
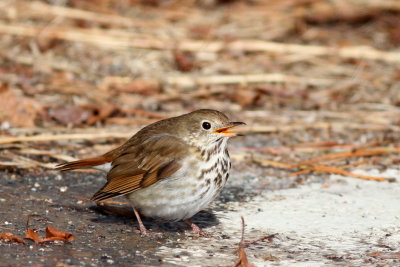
x=83, y=163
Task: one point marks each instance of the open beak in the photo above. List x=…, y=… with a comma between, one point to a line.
x=224, y=131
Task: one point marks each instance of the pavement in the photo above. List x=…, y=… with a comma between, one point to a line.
x=326, y=221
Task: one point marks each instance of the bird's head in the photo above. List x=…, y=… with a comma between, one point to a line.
x=205, y=126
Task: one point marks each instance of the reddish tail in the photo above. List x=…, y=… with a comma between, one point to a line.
x=83, y=163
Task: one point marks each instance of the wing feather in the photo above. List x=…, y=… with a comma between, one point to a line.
x=140, y=166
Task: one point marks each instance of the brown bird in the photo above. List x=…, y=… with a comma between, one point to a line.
x=170, y=169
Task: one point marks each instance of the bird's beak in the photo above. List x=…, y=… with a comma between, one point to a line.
x=224, y=130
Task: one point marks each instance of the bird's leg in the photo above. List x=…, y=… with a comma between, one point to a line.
x=195, y=228
x=142, y=228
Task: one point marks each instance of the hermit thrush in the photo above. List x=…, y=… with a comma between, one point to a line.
x=170, y=169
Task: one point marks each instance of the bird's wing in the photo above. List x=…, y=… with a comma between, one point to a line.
x=139, y=166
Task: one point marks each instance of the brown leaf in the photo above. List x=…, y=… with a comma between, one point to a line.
x=242, y=260
x=16, y=109
x=10, y=237
x=184, y=61
x=69, y=115
x=98, y=113
x=56, y=234
x=32, y=235
x=52, y=234
x=244, y=97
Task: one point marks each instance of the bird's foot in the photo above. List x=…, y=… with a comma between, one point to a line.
x=146, y=233
x=196, y=229
x=142, y=229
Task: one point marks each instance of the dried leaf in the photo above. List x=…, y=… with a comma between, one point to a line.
x=244, y=96
x=69, y=115
x=32, y=235
x=53, y=234
x=10, y=237
x=184, y=61
x=17, y=110
x=242, y=260
x=99, y=113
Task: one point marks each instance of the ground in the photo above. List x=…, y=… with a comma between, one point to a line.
x=315, y=175
x=332, y=220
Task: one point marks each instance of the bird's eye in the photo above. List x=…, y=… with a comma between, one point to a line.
x=206, y=125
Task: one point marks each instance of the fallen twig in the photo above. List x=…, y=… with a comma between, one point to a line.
x=61, y=137
x=242, y=261
x=40, y=9
x=324, y=168
x=336, y=126
x=98, y=201
x=192, y=81
x=121, y=39
x=348, y=154
x=309, y=165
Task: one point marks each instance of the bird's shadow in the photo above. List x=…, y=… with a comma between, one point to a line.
x=123, y=214
x=115, y=214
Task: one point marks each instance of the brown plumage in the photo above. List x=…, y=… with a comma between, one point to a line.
x=170, y=169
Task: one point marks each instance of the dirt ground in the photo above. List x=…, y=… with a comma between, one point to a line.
x=317, y=82
x=327, y=220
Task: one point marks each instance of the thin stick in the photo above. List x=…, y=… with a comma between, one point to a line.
x=337, y=126
x=61, y=137
x=348, y=154
x=241, y=243
x=39, y=9
x=191, y=81
x=98, y=201
x=320, y=168
x=124, y=40
x=276, y=164
x=323, y=168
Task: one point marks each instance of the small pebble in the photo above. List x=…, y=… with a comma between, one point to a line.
x=63, y=189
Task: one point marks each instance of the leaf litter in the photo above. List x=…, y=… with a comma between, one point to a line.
x=52, y=234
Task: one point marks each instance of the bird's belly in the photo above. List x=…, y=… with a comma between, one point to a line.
x=180, y=196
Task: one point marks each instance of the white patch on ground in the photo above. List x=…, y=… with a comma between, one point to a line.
x=335, y=224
